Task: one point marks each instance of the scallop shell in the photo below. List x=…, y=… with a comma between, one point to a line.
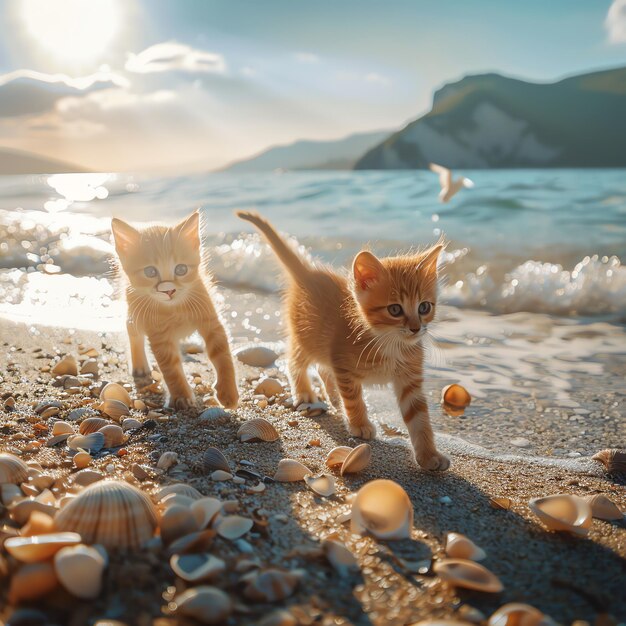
x=269, y=387
x=130, y=423
x=209, y=605
x=79, y=569
x=257, y=356
x=113, y=435
x=258, y=429
x=214, y=460
x=323, y=484
x=290, y=471
x=468, y=575
x=86, y=477
x=614, y=460
x=382, y=508
x=338, y=555
x=182, y=488
x=233, y=526
x=113, y=408
x=270, y=585
x=31, y=581
x=337, y=456
x=33, y=549
x=196, y=567
x=205, y=510
x=357, y=460
x=604, y=508
x=563, y=512
x=458, y=546
x=518, y=614
x=455, y=396
x=112, y=513
x=67, y=365
x=177, y=521
x=62, y=428
x=93, y=442
x=12, y=469
x=113, y=391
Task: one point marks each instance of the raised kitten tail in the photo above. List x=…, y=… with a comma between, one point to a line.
x=291, y=260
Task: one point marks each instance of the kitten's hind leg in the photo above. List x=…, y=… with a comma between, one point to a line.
x=301, y=388
x=218, y=351
x=330, y=384
x=351, y=392
x=167, y=354
x=139, y=361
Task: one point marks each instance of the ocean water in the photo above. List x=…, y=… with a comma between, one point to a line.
x=534, y=294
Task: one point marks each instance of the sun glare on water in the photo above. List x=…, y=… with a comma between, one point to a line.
x=74, y=31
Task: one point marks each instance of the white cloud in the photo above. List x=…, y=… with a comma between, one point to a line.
x=306, y=57
x=81, y=83
x=615, y=22
x=373, y=77
x=170, y=55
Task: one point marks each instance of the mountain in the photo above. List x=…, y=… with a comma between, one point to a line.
x=303, y=155
x=490, y=121
x=13, y=162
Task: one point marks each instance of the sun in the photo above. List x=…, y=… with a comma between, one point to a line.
x=75, y=32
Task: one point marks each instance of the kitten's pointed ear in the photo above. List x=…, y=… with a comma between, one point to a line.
x=367, y=270
x=189, y=229
x=429, y=259
x=125, y=236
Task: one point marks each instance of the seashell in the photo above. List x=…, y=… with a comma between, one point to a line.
x=214, y=460
x=38, y=524
x=467, y=574
x=62, y=428
x=50, y=412
x=357, y=460
x=338, y=555
x=214, y=413
x=86, y=477
x=257, y=356
x=9, y=404
x=233, y=526
x=270, y=585
x=94, y=442
x=258, y=488
x=113, y=408
x=81, y=460
x=322, y=484
x=92, y=425
x=112, y=513
x=563, y=512
x=176, y=499
x=10, y=493
x=31, y=581
x=220, y=475
x=290, y=471
x=518, y=614
x=113, y=435
x=177, y=521
x=208, y=605
x=257, y=429
x=90, y=366
x=269, y=387
x=182, y=488
x=196, y=567
x=614, y=460
x=130, y=423
x=79, y=569
x=46, y=404
x=455, y=396
x=39, y=547
x=199, y=541
x=500, y=502
x=279, y=617
x=604, y=508
x=230, y=506
x=167, y=460
x=337, y=456
x=67, y=365
x=57, y=440
x=382, y=508
x=12, y=469
x=21, y=511
x=458, y=546
x=140, y=405
x=113, y=391
x=205, y=510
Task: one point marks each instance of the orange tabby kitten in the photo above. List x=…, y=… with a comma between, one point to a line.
x=169, y=298
x=366, y=330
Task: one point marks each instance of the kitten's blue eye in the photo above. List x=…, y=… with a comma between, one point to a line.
x=150, y=271
x=395, y=310
x=424, y=308
x=180, y=269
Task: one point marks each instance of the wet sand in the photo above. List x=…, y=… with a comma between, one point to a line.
x=569, y=578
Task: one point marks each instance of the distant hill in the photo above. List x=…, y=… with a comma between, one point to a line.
x=302, y=155
x=490, y=121
x=14, y=162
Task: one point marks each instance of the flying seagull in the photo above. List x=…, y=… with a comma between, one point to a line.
x=449, y=187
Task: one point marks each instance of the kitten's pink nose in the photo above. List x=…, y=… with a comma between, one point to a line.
x=171, y=292
x=167, y=287
x=414, y=330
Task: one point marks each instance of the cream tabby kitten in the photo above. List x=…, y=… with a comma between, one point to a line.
x=365, y=330
x=168, y=298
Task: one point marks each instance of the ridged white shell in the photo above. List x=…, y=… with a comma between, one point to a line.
x=357, y=460
x=518, y=614
x=12, y=469
x=67, y=365
x=382, y=508
x=62, y=428
x=113, y=408
x=270, y=585
x=337, y=456
x=112, y=513
x=113, y=435
x=213, y=459
x=182, y=488
x=209, y=605
x=39, y=547
x=468, y=575
x=257, y=356
x=257, y=429
x=233, y=526
x=205, y=510
x=290, y=470
x=269, y=387
x=323, y=484
x=604, y=508
x=113, y=391
x=93, y=442
x=80, y=569
x=563, y=512
x=458, y=546
x=197, y=567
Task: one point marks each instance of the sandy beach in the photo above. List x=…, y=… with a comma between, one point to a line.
x=567, y=577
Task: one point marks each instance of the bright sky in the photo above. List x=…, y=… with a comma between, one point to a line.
x=193, y=84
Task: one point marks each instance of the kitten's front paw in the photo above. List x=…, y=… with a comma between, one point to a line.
x=435, y=463
x=228, y=395
x=142, y=377
x=182, y=403
x=304, y=398
x=364, y=431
